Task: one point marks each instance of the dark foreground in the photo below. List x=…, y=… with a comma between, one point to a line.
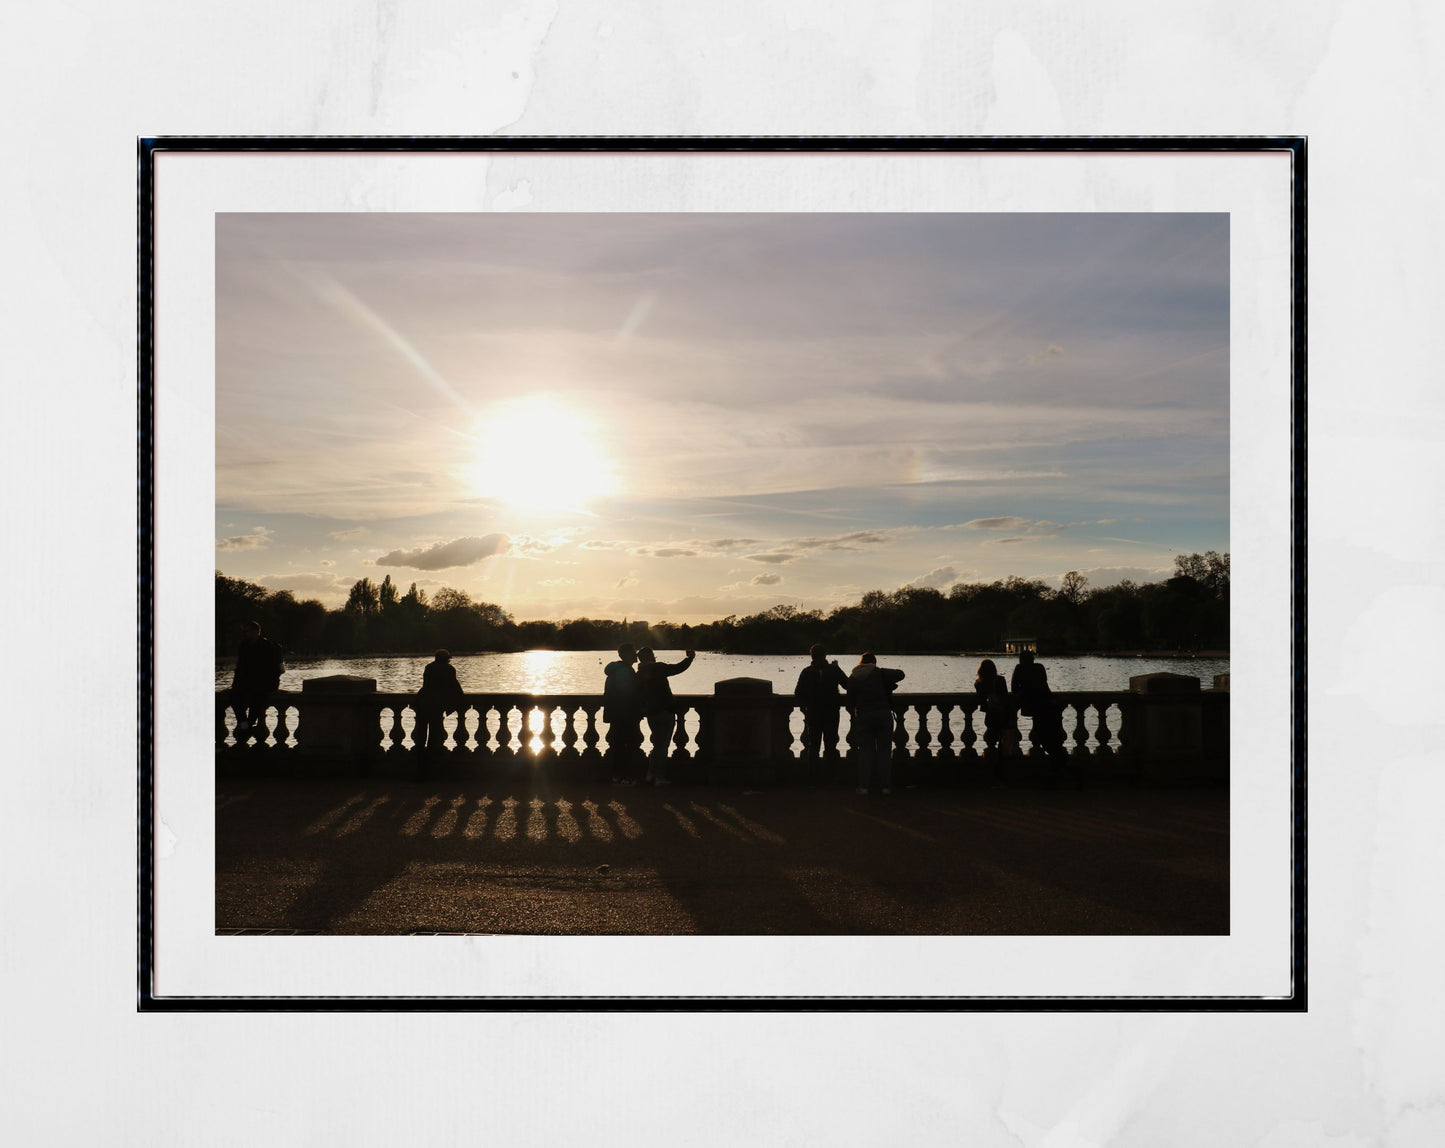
x=401, y=858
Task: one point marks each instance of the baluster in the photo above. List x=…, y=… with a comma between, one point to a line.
x=945, y=734
x=924, y=737
x=968, y=734
x=516, y=734
x=285, y=726
x=1104, y=734
x=1126, y=731
x=679, y=735
x=590, y=736
x=221, y=730
x=900, y=732
x=1079, y=733
x=461, y=735
x=569, y=732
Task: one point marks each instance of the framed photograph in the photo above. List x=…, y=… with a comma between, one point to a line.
x=722, y=574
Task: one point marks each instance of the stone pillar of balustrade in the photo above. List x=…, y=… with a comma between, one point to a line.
x=1216, y=729
x=745, y=746
x=1167, y=735
x=338, y=728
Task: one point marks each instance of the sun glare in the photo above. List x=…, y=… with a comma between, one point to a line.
x=541, y=455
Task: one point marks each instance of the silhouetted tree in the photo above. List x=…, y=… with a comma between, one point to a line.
x=1071, y=587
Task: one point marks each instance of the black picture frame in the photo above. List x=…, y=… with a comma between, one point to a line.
x=149, y=148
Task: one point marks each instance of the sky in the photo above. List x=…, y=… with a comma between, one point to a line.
x=684, y=416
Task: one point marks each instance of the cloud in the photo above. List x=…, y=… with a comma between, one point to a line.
x=1006, y=541
x=459, y=552
x=1053, y=350
x=327, y=562
x=937, y=578
x=318, y=583
x=602, y=544
x=627, y=580
x=256, y=540
x=340, y=534
x=1004, y=522
x=771, y=559
x=1102, y=577
x=558, y=582
x=840, y=542
x=766, y=580
x=664, y=552
x=526, y=546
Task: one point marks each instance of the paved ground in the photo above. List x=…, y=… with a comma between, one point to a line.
x=399, y=857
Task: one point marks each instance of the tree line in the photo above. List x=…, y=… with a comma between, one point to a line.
x=1187, y=612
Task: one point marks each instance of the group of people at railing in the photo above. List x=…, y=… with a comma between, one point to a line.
x=868, y=689
x=637, y=689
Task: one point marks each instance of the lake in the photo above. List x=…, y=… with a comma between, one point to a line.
x=580, y=671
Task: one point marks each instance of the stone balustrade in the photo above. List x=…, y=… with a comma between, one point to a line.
x=731, y=735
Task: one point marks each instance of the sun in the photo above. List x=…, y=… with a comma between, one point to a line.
x=541, y=454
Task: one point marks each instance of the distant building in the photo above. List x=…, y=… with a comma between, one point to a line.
x=1018, y=645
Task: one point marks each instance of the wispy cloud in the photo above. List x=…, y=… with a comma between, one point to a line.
x=443, y=555
x=1003, y=522
x=259, y=537
x=773, y=559
x=664, y=552
x=325, y=585
x=766, y=580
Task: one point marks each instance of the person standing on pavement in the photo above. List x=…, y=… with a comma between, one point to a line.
x=869, y=689
x=622, y=711
x=817, y=692
x=659, y=708
x=257, y=676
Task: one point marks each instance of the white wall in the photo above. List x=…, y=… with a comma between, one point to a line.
x=80, y=81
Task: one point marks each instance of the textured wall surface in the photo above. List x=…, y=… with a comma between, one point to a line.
x=1366, y=1066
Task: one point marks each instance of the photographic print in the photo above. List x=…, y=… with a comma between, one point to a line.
x=802, y=577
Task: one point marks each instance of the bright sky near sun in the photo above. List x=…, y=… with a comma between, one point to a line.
x=680, y=417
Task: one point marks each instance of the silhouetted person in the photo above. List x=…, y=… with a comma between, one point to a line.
x=622, y=711
x=440, y=694
x=257, y=676
x=659, y=708
x=1000, y=723
x=1031, y=693
x=817, y=693
x=869, y=688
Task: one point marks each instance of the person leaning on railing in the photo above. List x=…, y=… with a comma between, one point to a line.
x=1000, y=720
x=659, y=708
x=622, y=711
x=869, y=689
x=440, y=694
x=817, y=693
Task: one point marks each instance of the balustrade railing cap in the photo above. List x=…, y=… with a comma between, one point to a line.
x=339, y=684
x=1164, y=683
x=1221, y=681
x=742, y=688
